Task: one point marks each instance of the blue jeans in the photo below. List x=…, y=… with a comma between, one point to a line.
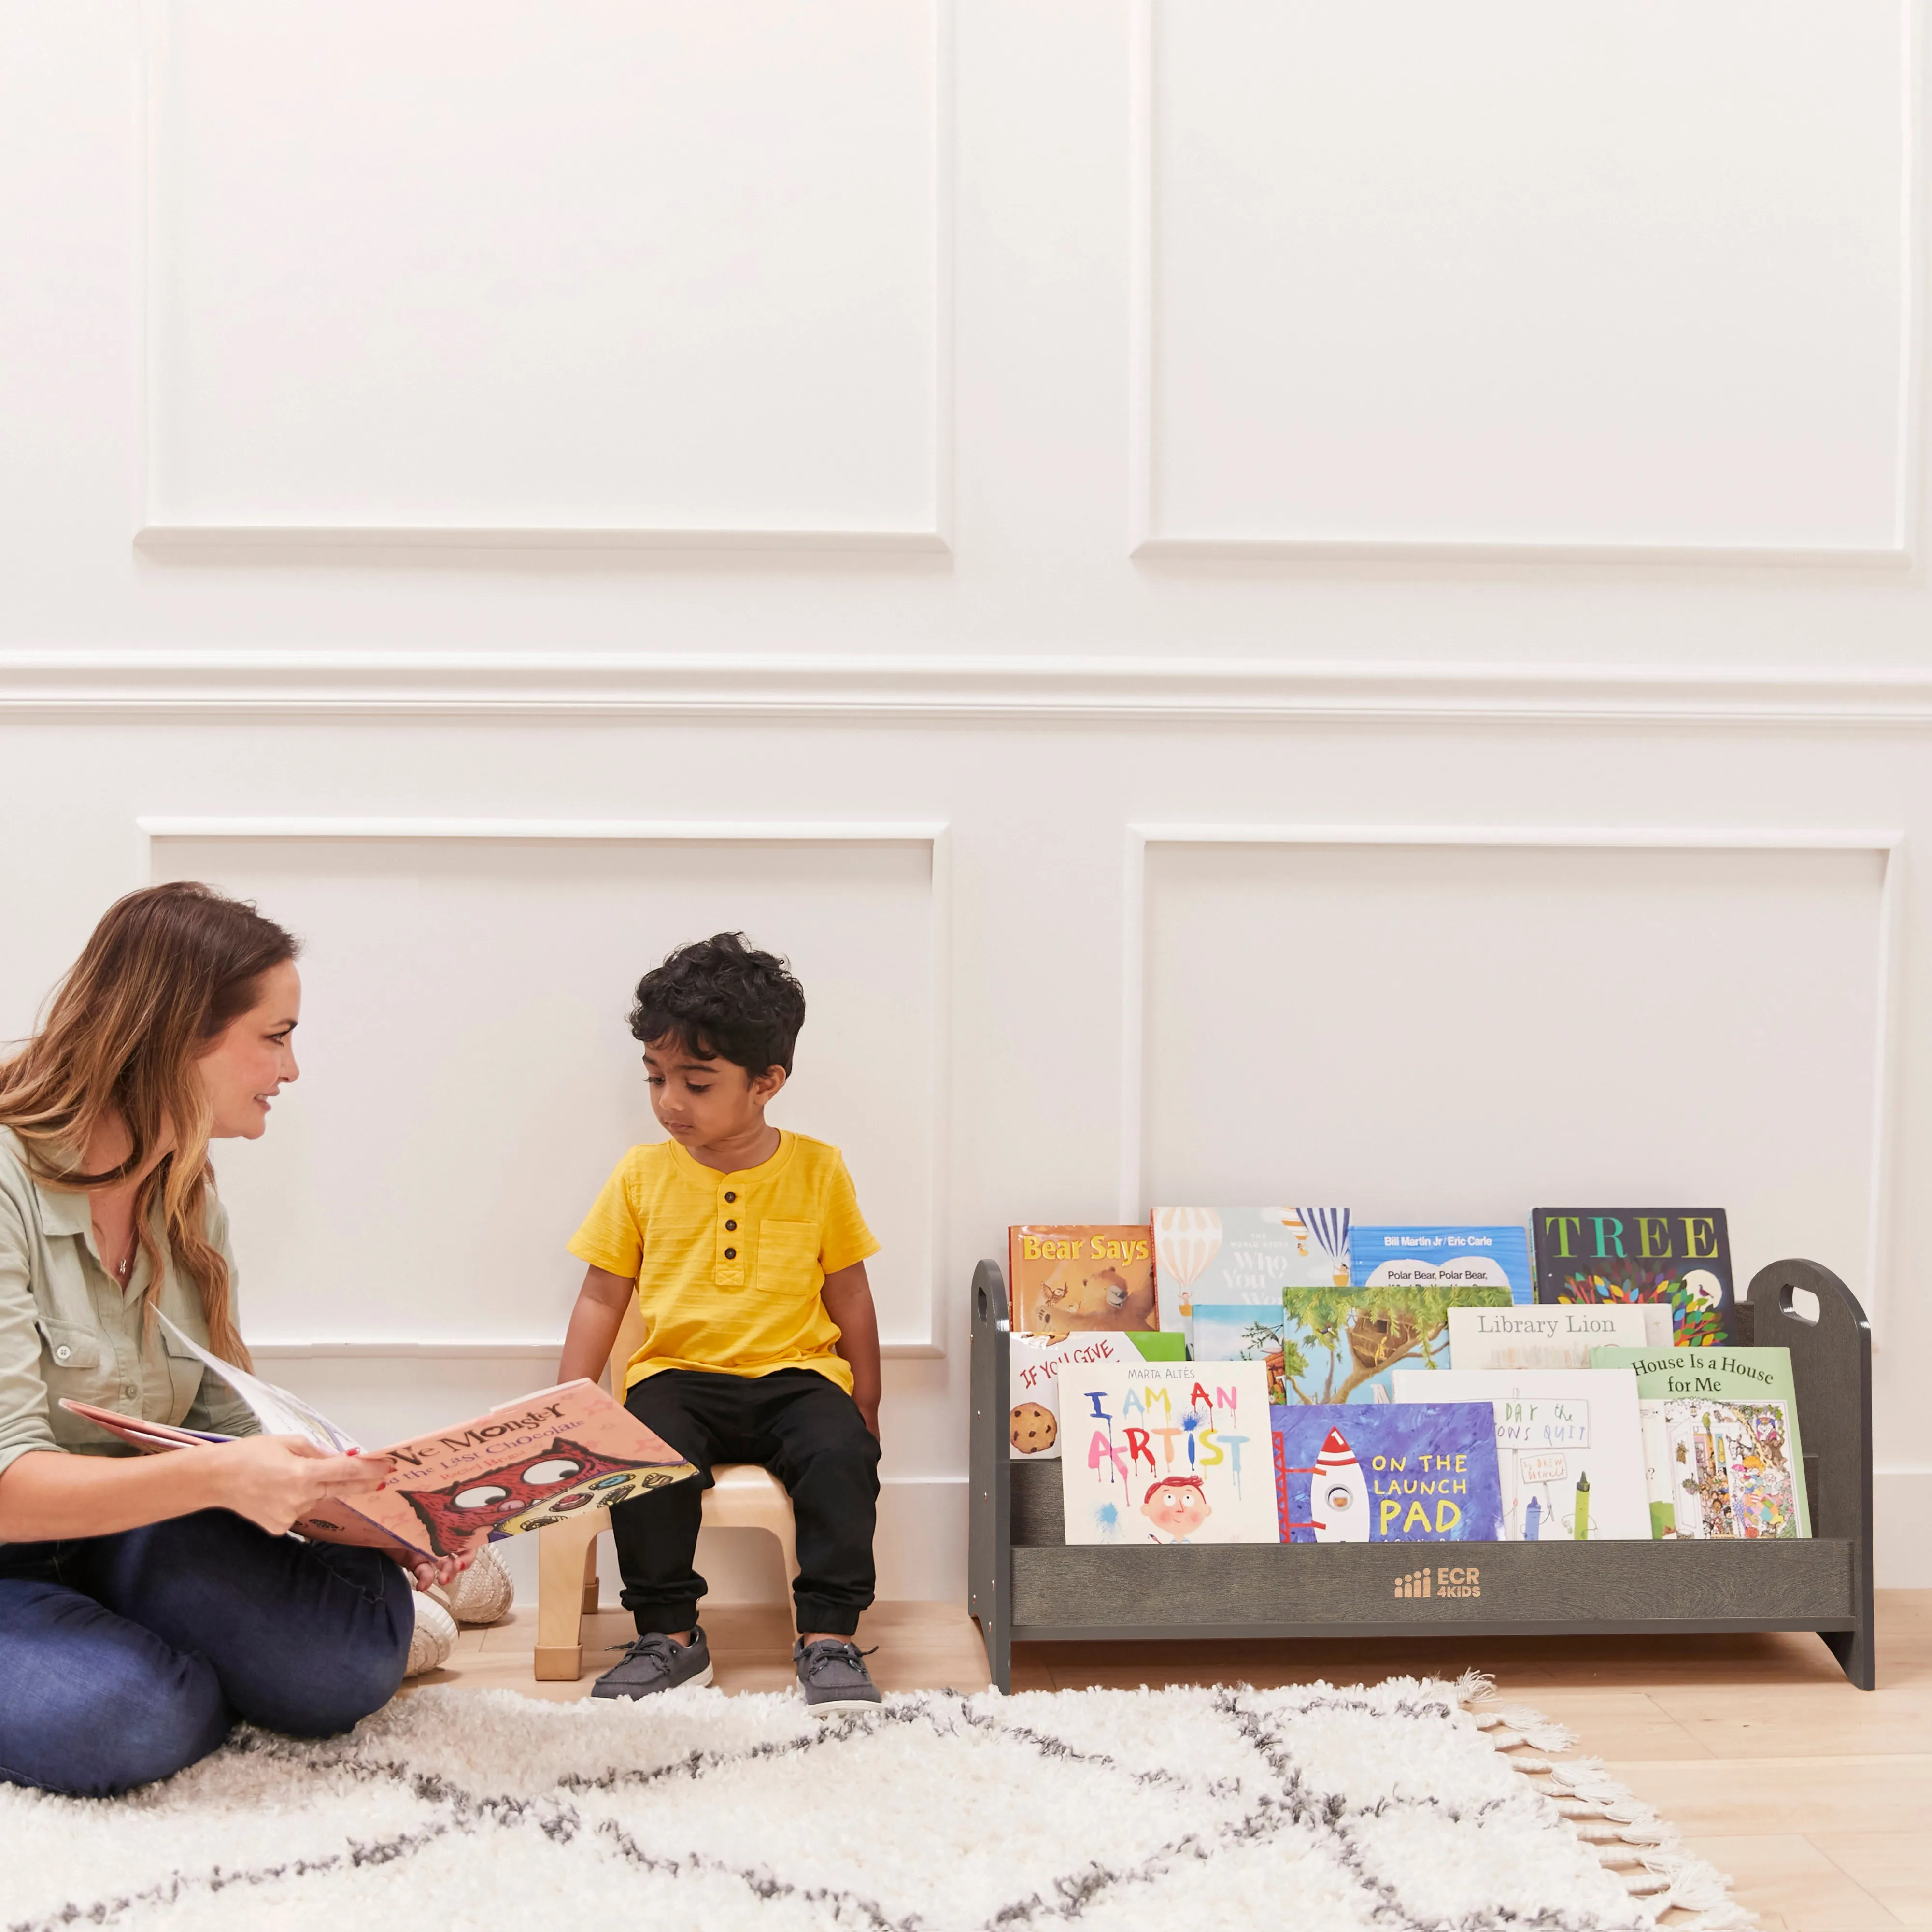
x=125, y=1658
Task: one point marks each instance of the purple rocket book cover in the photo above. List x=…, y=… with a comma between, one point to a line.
x=1358, y=1472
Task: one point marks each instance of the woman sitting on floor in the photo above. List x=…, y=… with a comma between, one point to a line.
x=147, y=1603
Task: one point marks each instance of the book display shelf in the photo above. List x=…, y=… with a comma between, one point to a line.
x=1027, y=1583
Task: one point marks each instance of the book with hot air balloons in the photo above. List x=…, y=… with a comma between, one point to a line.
x=1343, y=1344
x=1383, y=1472
x=1244, y=1254
x=1443, y=1257
x=1680, y=1255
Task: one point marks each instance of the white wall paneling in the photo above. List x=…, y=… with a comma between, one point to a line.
x=1458, y=1023
x=559, y=685
x=604, y=275
x=1621, y=279
x=453, y=1125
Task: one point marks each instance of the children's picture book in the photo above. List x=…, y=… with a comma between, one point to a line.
x=1241, y=1331
x=1552, y=1335
x=1035, y=1361
x=1680, y=1255
x=1569, y=1449
x=1730, y=1466
x=1081, y=1277
x=1442, y=1257
x=1166, y=1452
x=1387, y=1472
x=1244, y=1254
x=1773, y=1500
x=525, y=1465
x=1342, y=1344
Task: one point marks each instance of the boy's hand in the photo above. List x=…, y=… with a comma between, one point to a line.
x=847, y=1296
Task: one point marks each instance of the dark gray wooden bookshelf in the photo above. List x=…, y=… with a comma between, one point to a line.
x=1027, y=1585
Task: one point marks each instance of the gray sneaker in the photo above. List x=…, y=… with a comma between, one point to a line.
x=832, y=1673
x=653, y=1662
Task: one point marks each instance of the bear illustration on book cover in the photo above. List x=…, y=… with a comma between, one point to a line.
x=1071, y=1280
x=532, y=1492
x=1681, y=1256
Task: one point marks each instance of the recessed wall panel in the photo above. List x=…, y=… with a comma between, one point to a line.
x=1627, y=275
x=612, y=266
x=468, y=1079
x=1447, y=1033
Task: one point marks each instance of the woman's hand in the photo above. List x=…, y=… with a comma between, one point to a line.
x=438, y=1572
x=276, y=1480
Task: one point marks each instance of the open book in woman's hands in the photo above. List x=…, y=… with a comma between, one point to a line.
x=536, y=1461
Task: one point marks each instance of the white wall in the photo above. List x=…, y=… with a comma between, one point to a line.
x=1263, y=596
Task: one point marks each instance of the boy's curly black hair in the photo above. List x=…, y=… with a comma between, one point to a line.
x=722, y=999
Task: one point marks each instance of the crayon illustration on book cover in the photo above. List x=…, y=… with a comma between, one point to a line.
x=1569, y=1448
x=1680, y=1255
x=1343, y=1344
x=1173, y=1453
x=1080, y=1278
x=1244, y=1254
x=1382, y=1472
x=1442, y=1257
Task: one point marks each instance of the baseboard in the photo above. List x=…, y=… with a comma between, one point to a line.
x=1901, y=1505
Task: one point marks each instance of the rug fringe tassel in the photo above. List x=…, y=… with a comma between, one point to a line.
x=1640, y=1849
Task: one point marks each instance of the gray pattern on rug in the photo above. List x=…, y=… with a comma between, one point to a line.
x=1390, y=1807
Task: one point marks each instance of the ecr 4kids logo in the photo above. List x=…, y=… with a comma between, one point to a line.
x=1445, y=1580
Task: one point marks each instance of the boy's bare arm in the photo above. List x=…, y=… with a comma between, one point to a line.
x=848, y=1300
x=594, y=1323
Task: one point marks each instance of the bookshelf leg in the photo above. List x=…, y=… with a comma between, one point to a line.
x=1856, y=1657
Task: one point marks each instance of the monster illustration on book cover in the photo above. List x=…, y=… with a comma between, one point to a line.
x=532, y=1492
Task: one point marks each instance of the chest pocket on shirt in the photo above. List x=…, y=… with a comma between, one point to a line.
x=73, y=1359
x=184, y=1375
x=787, y=1255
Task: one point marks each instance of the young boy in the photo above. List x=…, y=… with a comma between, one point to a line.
x=744, y=1247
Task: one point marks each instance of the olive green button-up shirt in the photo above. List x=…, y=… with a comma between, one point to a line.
x=68, y=1327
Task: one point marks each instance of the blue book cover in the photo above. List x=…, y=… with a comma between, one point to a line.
x=1241, y=1331
x=1447, y=1257
x=1367, y=1474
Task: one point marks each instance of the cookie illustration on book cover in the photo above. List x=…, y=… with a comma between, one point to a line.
x=532, y=1492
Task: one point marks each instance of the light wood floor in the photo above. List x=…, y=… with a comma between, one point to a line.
x=1816, y=1798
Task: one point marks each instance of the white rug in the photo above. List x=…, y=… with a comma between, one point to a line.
x=1215, y=1810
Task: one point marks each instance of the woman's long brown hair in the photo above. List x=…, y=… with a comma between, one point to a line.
x=167, y=969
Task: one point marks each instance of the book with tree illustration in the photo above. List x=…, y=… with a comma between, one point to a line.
x=1244, y=1254
x=1071, y=1280
x=1442, y=1257
x=525, y=1465
x=1241, y=1331
x=1342, y=1344
x=1743, y=1474
x=1680, y=1255
x=1387, y=1472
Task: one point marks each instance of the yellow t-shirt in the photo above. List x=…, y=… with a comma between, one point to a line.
x=729, y=1266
